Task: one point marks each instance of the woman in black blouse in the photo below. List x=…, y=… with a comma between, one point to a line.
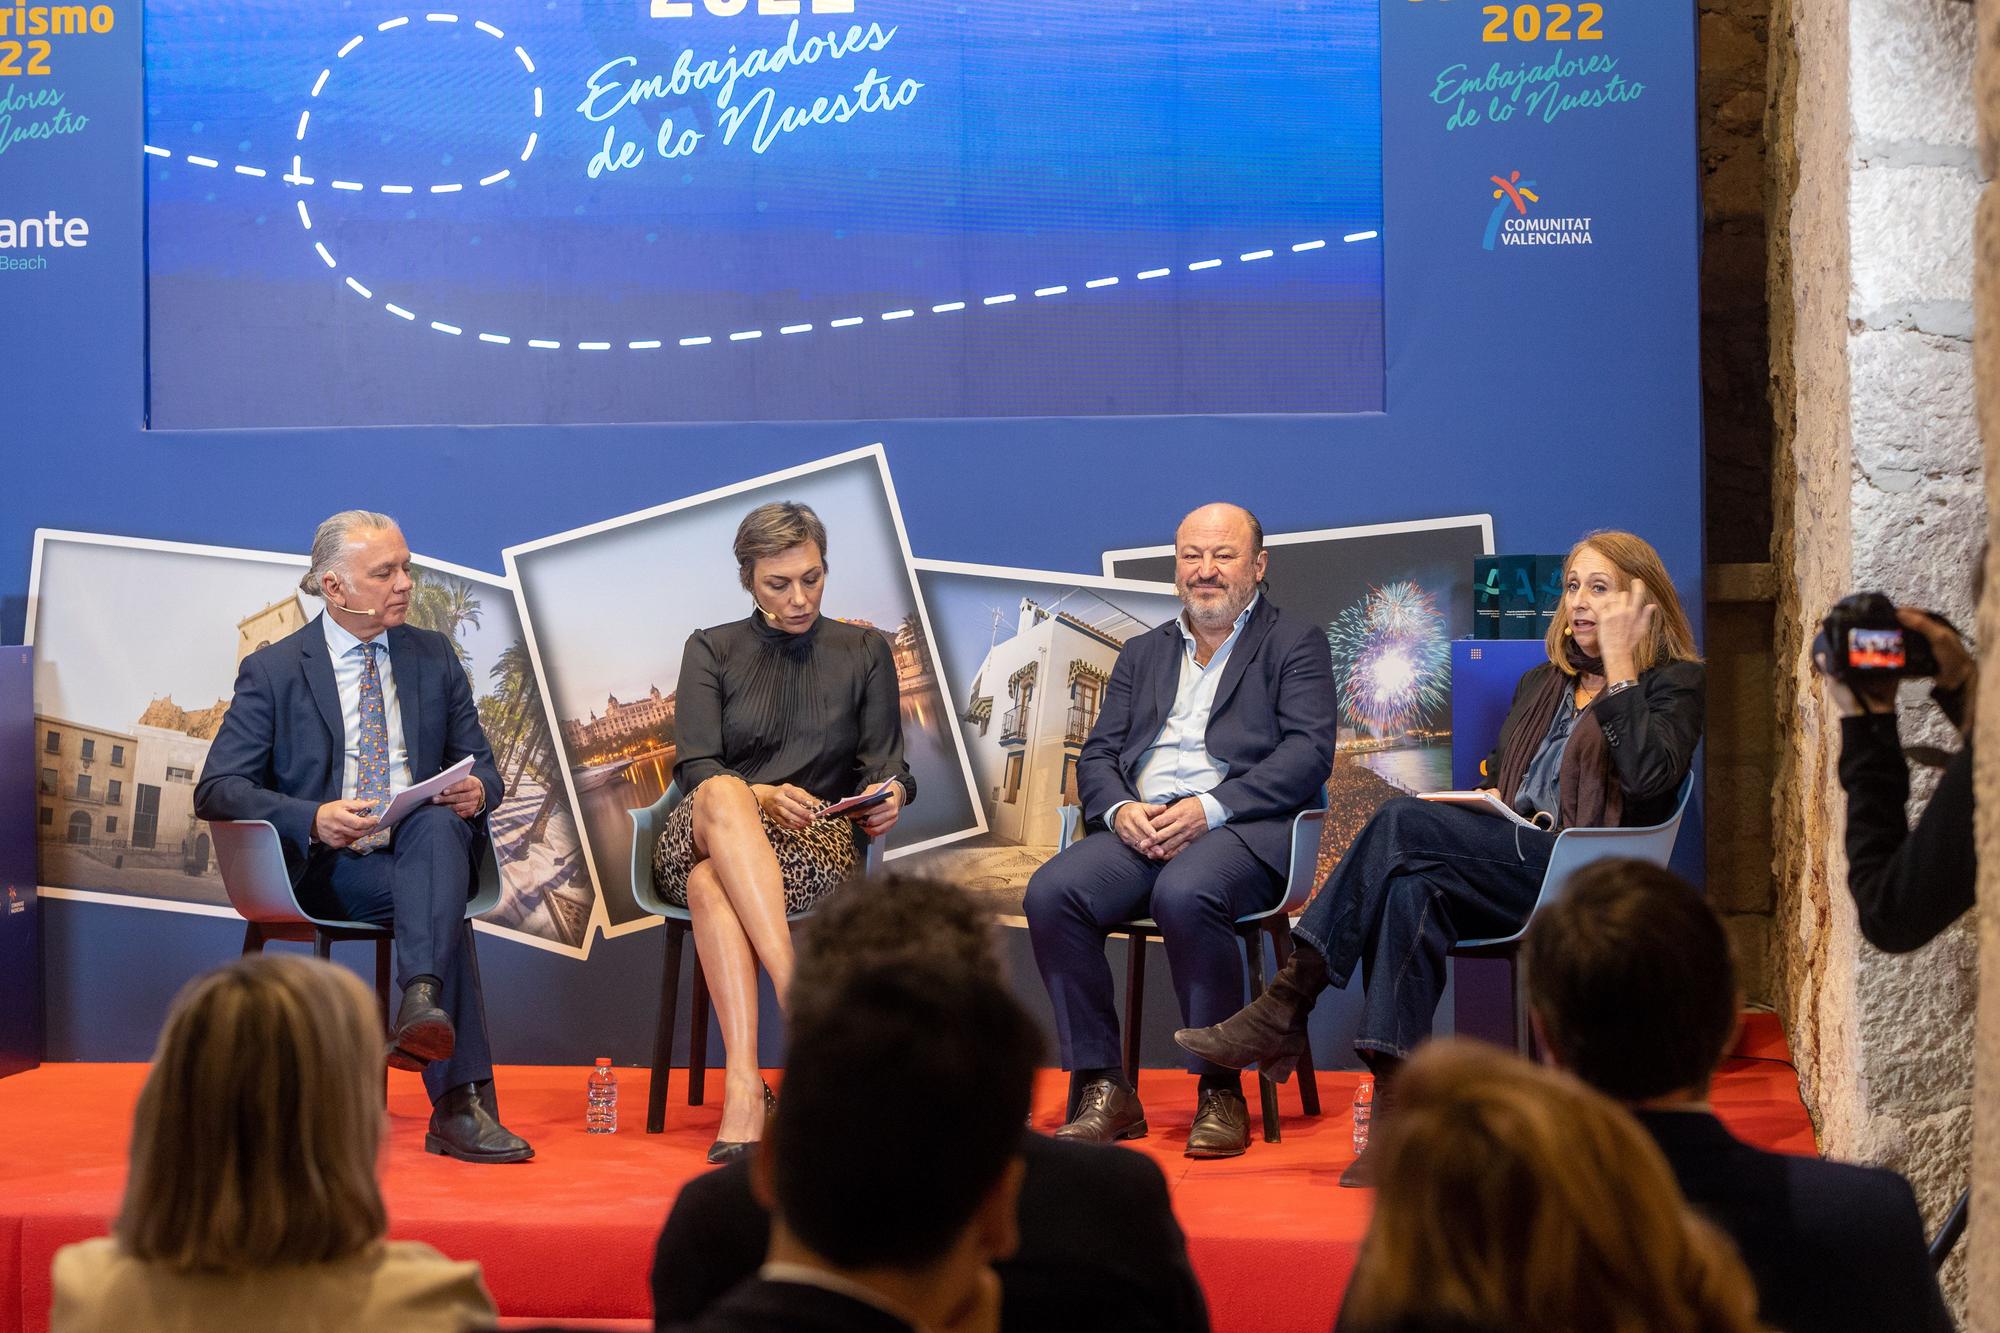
x=775, y=716
x=1600, y=735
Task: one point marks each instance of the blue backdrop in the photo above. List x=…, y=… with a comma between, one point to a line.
x=1455, y=362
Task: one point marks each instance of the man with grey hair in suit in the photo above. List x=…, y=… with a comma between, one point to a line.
x=323, y=726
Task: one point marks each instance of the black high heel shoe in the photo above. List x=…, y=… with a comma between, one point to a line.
x=723, y=1151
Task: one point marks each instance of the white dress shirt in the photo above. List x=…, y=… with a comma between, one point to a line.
x=1178, y=763
x=347, y=679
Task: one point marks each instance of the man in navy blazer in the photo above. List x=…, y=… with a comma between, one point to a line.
x=1216, y=729
x=1632, y=988
x=323, y=725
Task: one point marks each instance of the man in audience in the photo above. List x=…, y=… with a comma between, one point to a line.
x=1217, y=729
x=1099, y=1246
x=1631, y=987
x=323, y=726
x=893, y=1169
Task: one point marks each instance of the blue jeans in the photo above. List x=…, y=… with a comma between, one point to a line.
x=1419, y=878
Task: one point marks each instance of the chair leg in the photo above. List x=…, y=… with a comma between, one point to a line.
x=698, y=1036
x=663, y=1028
x=1135, y=1004
x=322, y=945
x=382, y=979
x=1281, y=949
x=1524, y=1032
x=1267, y=1090
x=253, y=937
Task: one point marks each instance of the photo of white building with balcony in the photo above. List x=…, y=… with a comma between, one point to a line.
x=1033, y=703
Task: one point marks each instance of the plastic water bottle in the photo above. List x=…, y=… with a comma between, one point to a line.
x=1364, y=1112
x=600, y=1114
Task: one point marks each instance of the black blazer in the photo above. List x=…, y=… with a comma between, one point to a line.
x=1100, y=1248
x=758, y=1306
x=281, y=747
x=1272, y=724
x=1651, y=731
x=1831, y=1246
x=1907, y=885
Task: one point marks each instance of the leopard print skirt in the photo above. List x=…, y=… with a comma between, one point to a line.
x=814, y=860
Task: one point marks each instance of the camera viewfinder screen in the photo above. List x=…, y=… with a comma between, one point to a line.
x=1875, y=649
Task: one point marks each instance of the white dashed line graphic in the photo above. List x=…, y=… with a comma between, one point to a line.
x=297, y=179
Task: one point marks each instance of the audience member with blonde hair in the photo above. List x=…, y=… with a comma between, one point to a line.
x=252, y=1201
x=1515, y=1197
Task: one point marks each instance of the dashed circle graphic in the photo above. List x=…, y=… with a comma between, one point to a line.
x=298, y=179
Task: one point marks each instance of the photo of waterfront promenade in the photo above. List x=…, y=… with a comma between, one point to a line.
x=609, y=650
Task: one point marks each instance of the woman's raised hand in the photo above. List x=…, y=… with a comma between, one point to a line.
x=1624, y=619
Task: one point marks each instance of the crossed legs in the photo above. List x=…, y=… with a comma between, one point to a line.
x=736, y=903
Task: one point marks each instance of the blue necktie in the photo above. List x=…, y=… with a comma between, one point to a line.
x=373, y=782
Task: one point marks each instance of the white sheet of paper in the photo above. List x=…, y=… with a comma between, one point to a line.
x=408, y=799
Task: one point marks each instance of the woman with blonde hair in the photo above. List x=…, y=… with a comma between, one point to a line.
x=252, y=1199
x=1515, y=1197
x=1600, y=735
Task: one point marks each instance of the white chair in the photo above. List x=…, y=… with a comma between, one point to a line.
x=252, y=860
x=1275, y=921
x=646, y=823
x=1576, y=848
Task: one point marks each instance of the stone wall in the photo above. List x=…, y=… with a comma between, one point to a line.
x=1878, y=484
x=1983, y=1242
x=1736, y=423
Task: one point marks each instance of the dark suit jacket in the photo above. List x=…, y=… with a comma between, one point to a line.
x=784, y=1307
x=1100, y=1248
x=282, y=746
x=1272, y=724
x=1830, y=1245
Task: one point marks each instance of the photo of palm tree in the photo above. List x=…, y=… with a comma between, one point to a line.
x=546, y=891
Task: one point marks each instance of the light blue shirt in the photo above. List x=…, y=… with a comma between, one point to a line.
x=1178, y=763
x=347, y=664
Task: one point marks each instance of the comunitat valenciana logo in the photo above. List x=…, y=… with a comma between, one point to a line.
x=49, y=232
x=1514, y=222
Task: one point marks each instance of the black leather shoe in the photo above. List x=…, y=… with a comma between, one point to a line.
x=1269, y=1032
x=462, y=1126
x=723, y=1151
x=423, y=1030
x=1221, y=1125
x=1106, y=1112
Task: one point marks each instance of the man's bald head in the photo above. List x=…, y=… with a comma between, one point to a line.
x=1219, y=560
x=1224, y=520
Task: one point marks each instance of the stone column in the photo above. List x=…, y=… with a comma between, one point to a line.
x=1982, y=1243
x=1880, y=485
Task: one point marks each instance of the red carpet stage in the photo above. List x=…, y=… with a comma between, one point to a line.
x=569, y=1236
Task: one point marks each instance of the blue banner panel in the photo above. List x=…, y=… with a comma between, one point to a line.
x=1375, y=263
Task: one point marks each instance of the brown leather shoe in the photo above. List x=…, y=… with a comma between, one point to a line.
x=1221, y=1125
x=1106, y=1112
x=1360, y=1173
x=1269, y=1032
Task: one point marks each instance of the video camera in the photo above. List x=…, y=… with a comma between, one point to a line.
x=1861, y=640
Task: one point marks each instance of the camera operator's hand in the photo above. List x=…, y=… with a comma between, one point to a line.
x=1850, y=701
x=1955, y=665
x=1958, y=670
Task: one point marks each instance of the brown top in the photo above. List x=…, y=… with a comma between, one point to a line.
x=397, y=1285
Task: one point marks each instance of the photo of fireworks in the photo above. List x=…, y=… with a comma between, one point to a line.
x=1390, y=596
x=1392, y=662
